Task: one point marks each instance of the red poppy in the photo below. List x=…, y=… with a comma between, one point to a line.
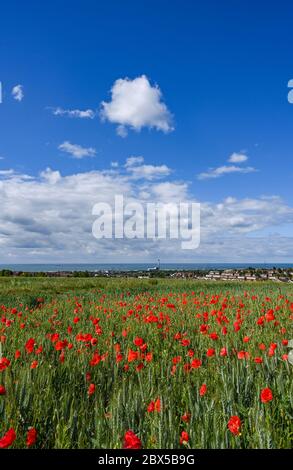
x=139, y=367
x=223, y=352
x=154, y=406
x=258, y=360
x=186, y=417
x=132, y=355
x=149, y=357
x=203, y=390
x=266, y=395
x=119, y=357
x=269, y=316
x=17, y=354
x=29, y=346
x=131, y=441
x=91, y=389
x=243, y=355
x=34, y=364
x=138, y=341
x=184, y=438
x=31, y=437
x=8, y=439
x=214, y=336
x=196, y=363
x=2, y=390
x=234, y=425
x=210, y=352
x=96, y=359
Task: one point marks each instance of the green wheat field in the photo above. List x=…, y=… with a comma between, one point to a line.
x=181, y=364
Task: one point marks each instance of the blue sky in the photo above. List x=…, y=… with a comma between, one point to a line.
x=222, y=69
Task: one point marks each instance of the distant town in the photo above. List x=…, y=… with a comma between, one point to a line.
x=247, y=274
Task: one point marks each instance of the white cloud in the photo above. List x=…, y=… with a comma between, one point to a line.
x=77, y=151
x=121, y=131
x=149, y=172
x=50, y=176
x=237, y=158
x=133, y=161
x=224, y=170
x=17, y=92
x=138, y=170
x=74, y=113
x=48, y=218
x=136, y=104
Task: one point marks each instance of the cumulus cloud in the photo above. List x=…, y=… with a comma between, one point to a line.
x=133, y=161
x=48, y=218
x=74, y=113
x=17, y=92
x=237, y=158
x=136, y=104
x=77, y=151
x=224, y=170
x=228, y=169
x=138, y=170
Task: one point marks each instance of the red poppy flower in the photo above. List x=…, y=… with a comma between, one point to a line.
x=186, y=417
x=34, y=364
x=214, y=336
x=31, y=437
x=29, y=346
x=149, y=357
x=266, y=395
x=234, y=425
x=210, y=352
x=96, y=359
x=139, y=367
x=2, y=390
x=17, y=354
x=258, y=360
x=8, y=439
x=243, y=355
x=196, y=363
x=138, y=341
x=119, y=357
x=131, y=441
x=203, y=390
x=91, y=389
x=223, y=352
x=184, y=438
x=132, y=355
x=154, y=406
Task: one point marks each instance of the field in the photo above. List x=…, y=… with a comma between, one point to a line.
x=113, y=363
